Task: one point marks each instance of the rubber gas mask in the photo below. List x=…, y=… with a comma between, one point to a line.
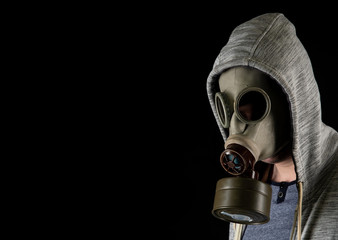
x=254, y=112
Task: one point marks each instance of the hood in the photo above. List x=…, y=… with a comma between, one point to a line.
x=269, y=43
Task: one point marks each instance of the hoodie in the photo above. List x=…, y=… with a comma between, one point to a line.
x=269, y=43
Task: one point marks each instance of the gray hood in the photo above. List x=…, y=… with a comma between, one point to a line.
x=269, y=43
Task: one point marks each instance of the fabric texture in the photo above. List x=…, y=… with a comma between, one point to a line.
x=270, y=44
x=279, y=226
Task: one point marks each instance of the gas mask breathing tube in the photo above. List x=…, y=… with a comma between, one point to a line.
x=250, y=109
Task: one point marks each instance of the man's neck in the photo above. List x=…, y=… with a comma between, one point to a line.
x=284, y=171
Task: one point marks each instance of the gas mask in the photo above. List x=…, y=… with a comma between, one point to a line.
x=254, y=112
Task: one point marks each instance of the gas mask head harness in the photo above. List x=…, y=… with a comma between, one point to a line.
x=254, y=112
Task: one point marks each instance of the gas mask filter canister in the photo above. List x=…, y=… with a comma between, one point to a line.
x=249, y=109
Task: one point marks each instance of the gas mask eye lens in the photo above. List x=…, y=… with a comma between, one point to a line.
x=252, y=105
x=222, y=108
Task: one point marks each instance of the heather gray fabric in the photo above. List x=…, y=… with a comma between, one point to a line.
x=269, y=43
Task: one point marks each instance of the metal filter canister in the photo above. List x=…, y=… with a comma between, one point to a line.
x=242, y=200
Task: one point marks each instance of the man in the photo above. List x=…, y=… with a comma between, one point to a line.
x=266, y=102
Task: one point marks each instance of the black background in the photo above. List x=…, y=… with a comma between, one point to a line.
x=128, y=140
x=173, y=142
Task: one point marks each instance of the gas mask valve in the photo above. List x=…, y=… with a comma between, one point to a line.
x=237, y=160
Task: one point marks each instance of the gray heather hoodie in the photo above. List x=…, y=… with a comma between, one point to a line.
x=269, y=43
